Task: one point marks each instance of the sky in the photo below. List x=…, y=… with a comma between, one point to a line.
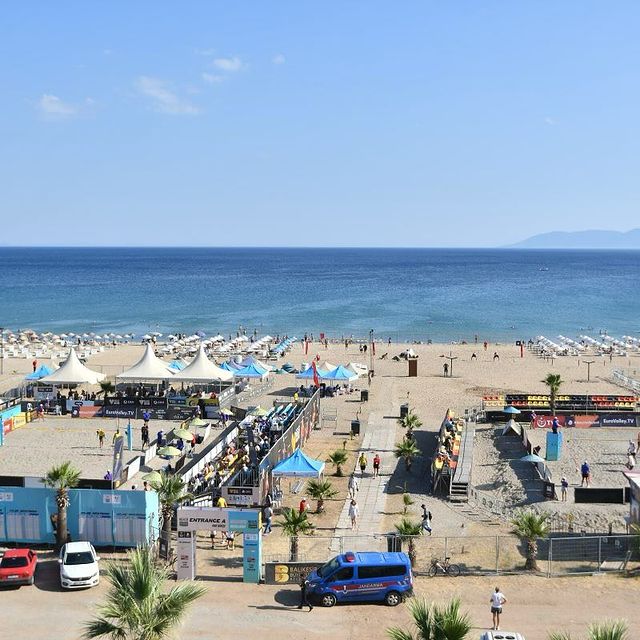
x=428, y=123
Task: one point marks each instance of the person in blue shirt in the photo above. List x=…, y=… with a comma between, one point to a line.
x=555, y=424
x=585, y=470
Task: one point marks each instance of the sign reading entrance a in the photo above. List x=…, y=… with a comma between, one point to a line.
x=205, y=519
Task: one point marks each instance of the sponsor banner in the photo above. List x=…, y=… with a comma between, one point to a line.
x=288, y=572
x=207, y=519
x=618, y=420
x=583, y=421
x=118, y=448
x=44, y=392
x=241, y=496
x=545, y=422
x=118, y=412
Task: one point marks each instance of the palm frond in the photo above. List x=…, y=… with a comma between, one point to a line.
x=608, y=630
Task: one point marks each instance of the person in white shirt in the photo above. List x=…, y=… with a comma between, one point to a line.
x=354, y=512
x=497, y=600
x=353, y=486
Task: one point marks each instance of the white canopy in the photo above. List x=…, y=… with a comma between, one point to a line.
x=73, y=371
x=201, y=369
x=149, y=367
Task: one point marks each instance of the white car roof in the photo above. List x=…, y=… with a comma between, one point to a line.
x=73, y=547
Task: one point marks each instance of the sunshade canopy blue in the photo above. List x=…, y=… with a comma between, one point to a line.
x=298, y=464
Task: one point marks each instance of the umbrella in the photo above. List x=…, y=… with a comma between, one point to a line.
x=259, y=411
x=183, y=434
x=170, y=452
x=511, y=410
x=198, y=422
x=152, y=476
x=225, y=412
x=532, y=457
x=201, y=334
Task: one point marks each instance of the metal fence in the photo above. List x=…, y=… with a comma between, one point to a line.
x=484, y=555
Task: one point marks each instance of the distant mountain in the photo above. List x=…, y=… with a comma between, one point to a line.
x=592, y=239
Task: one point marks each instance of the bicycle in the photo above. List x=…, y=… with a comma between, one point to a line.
x=444, y=568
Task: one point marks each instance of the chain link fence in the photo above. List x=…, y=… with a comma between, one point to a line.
x=483, y=555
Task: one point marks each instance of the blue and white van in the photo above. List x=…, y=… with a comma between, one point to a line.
x=357, y=577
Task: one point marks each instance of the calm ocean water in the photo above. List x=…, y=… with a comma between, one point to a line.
x=403, y=293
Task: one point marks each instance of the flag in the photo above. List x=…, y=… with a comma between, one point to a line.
x=316, y=381
x=118, y=447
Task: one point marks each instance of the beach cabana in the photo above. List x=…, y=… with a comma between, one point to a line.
x=72, y=371
x=41, y=372
x=307, y=374
x=251, y=371
x=340, y=374
x=202, y=370
x=299, y=465
x=148, y=369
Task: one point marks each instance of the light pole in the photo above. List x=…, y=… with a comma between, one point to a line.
x=450, y=358
x=370, y=355
x=588, y=363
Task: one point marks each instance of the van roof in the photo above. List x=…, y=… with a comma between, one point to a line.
x=375, y=557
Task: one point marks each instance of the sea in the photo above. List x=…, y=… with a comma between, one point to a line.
x=402, y=294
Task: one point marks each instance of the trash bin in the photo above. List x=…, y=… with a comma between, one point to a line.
x=355, y=427
x=404, y=410
x=364, y=395
x=394, y=543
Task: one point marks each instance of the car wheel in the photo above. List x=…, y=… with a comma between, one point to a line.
x=392, y=599
x=32, y=580
x=328, y=600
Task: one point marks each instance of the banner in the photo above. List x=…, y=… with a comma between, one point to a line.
x=288, y=572
x=118, y=448
x=618, y=420
x=241, y=496
x=207, y=519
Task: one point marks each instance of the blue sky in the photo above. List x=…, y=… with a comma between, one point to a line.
x=425, y=123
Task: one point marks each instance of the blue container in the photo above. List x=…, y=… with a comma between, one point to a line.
x=554, y=445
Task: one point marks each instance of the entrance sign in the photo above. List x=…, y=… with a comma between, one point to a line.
x=245, y=521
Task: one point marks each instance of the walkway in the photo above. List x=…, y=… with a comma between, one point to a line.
x=380, y=437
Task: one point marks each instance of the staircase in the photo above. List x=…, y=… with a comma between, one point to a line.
x=461, y=476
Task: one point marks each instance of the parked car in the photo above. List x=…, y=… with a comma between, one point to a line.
x=78, y=565
x=501, y=635
x=357, y=577
x=18, y=566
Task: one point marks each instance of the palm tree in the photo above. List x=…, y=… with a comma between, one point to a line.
x=433, y=622
x=407, y=450
x=293, y=524
x=529, y=526
x=137, y=606
x=608, y=630
x=554, y=382
x=320, y=490
x=407, y=501
x=408, y=530
x=171, y=491
x=62, y=478
x=410, y=422
x=106, y=387
x=338, y=458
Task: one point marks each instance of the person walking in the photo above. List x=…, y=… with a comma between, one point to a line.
x=362, y=461
x=354, y=512
x=145, y=436
x=376, y=465
x=304, y=599
x=585, y=472
x=445, y=368
x=268, y=515
x=101, y=436
x=564, y=485
x=497, y=600
x=353, y=486
x=426, y=519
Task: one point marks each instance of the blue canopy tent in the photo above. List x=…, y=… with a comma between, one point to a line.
x=250, y=371
x=307, y=374
x=177, y=365
x=227, y=367
x=340, y=374
x=299, y=465
x=41, y=372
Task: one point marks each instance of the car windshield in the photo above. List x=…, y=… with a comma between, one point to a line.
x=12, y=563
x=78, y=557
x=328, y=568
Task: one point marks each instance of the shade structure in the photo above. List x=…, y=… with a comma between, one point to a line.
x=300, y=465
x=72, y=371
x=152, y=476
x=340, y=374
x=307, y=374
x=511, y=410
x=198, y=422
x=41, y=372
x=326, y=366
x=532, y=457
x=231, y=366
x=183, y=434
x=148, y=369
x=251, y=371
x=169, y=452
x=249, y=360
x=358, y=368
x=177, y=365
x=259, y=411
x=201, y=369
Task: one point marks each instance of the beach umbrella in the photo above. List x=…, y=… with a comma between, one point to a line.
x=532, y=457
x=152, y=476
x=511, y=410
x=170, y=452
x=225, y=412
x=198, y=422
x=201, y=334
x=183, y=434
x=259, y=411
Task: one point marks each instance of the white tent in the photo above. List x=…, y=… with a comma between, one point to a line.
x=201, y=369
x=73, y=371
x=148, y=368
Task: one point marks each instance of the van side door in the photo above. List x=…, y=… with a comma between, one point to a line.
x=341, y=583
